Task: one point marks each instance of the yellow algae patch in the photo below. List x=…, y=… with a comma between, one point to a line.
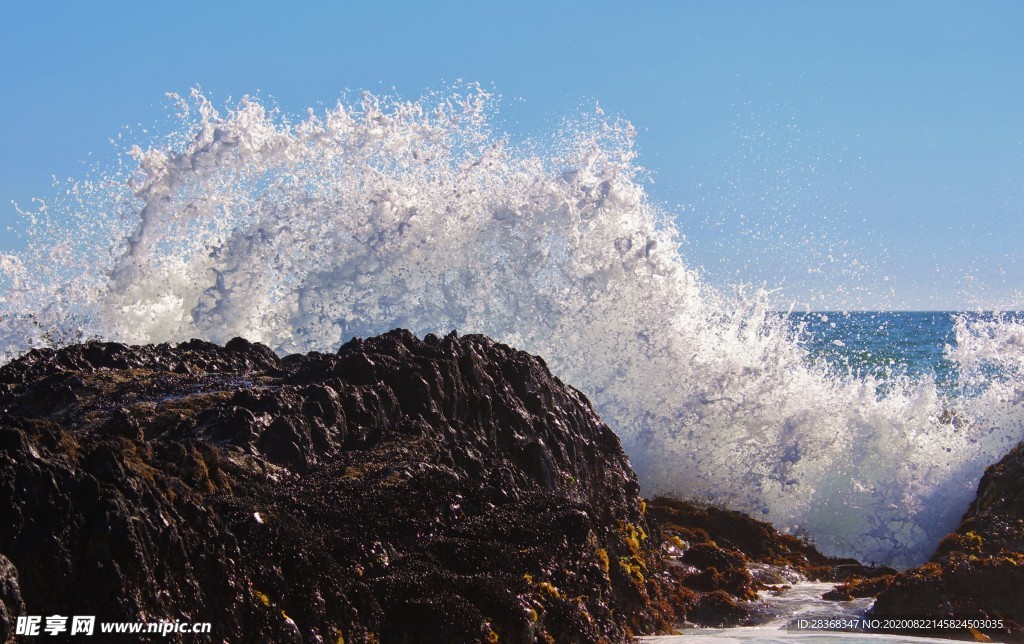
x=979, y=636
x=550, y=589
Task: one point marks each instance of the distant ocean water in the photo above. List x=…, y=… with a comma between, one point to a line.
x=862, y=431
x=884, y=344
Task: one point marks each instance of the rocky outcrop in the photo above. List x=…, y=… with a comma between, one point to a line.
x=723, y=531
x=445, y=489
x=728, y=558
x=977, y=572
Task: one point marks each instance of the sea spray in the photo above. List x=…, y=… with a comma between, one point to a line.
x=304, y=233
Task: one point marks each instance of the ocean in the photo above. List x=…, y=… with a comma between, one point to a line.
x=888, y=344
x=864, y=432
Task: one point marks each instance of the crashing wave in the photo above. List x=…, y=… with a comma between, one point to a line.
x=302, y=234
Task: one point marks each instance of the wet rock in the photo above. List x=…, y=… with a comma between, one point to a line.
x=718, y=608
x=11, y=603
x=444, y=489
x=726, y=559
x=720, y=536
x=448, y=489
x=708, y=555
x=870, y=587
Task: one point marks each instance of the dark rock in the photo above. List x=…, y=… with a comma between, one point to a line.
x=401, y=490
x=11, y=603
x=729, y=539
x=449, y=489
x=715, y=550
x=708, y=555
x=718, y=608
x=870, y=587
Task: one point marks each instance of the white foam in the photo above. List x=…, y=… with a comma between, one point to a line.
x=412, y=214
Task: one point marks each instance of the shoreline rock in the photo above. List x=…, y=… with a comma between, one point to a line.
x=728, y=557
x=400, y=490
x=443, y=489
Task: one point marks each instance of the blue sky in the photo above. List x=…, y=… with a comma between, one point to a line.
x=864, y=154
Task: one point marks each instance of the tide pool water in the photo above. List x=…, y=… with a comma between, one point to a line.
x=302, y=232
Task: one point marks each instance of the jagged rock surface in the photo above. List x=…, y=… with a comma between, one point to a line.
x=11, y=604
x=402, y=490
